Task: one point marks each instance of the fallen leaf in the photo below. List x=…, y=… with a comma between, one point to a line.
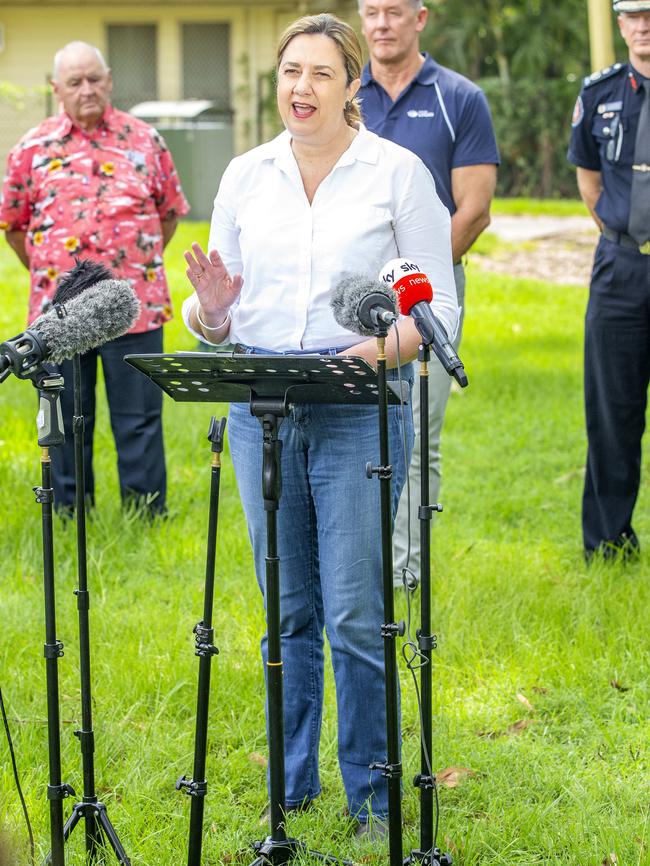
x=524, y=700
x=518, y=727
x=449, y=845
x=619, y=688
x=450, y=777
x=514, y=728
x=256, y=758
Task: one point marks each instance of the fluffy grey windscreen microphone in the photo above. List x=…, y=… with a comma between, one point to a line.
x=102, y=312
x=349, y=294
x=86, y=273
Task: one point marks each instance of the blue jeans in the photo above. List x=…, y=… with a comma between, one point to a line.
x=329, y=545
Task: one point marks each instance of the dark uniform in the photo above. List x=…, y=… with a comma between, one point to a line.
x=617, y=324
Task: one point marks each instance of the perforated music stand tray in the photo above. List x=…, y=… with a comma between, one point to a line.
x=224, y=377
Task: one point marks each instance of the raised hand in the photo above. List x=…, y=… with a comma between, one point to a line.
x=215, y=288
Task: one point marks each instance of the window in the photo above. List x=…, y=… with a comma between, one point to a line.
x=132, y=56
x=206, y=62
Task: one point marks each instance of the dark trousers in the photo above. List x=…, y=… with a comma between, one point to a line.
x=135, y=406
x=617, y=369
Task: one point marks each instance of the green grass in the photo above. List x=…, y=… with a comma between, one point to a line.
x=515, y=608
x=539, y=207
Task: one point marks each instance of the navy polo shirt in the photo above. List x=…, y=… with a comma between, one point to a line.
x=605, y=121
x=441, y=116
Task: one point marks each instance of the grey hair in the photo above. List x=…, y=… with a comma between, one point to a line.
x=72, y=46
x=416, y=4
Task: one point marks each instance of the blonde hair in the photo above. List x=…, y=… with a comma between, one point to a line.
x=346, y=40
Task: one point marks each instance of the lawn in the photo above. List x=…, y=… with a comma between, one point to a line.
x=541, y=677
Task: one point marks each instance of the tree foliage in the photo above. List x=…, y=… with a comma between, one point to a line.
x=529, y=56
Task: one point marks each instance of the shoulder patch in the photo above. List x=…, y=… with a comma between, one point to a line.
x=578, y=113
x=602, y=75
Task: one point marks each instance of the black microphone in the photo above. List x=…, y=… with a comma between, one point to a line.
x=359, y=304
x=91, y=314
x=415, y=293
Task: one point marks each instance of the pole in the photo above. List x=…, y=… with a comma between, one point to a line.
x=601, y=37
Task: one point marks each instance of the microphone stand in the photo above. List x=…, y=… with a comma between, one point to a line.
x=97, y=822
x=197, y=787
x=50, y=434
x=426, y=854
x=392, y=768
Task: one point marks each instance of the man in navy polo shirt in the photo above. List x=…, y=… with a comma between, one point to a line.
x=444, y=118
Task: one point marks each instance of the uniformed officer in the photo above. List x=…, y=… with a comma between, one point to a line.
x=610, y=146
x=444, y=118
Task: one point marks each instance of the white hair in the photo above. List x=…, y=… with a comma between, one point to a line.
x=69, y=49
x=416, y=4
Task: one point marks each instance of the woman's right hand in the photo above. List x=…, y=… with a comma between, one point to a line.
x=216, y=290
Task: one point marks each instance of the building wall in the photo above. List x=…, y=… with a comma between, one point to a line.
x=33, y=32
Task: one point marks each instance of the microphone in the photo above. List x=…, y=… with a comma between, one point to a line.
x=414, y=295
x=360, y=304
x=87, y=313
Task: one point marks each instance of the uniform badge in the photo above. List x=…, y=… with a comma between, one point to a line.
x=578, y=112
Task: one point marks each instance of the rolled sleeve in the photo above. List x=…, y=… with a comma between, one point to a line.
x=423, y=234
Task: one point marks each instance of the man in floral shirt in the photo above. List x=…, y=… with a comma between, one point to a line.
x=94, y=182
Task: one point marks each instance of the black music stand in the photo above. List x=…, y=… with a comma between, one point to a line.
x=271, y=384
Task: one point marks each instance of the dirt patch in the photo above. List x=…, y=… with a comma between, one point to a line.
x=552, y=249
x=551, y=259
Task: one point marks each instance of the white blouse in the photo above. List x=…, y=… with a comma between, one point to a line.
x=378, y=203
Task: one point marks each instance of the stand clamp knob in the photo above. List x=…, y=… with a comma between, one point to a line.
x=192, y=788
x=59, y=792
x=384, y=473
x=427, y=783
x=204, y=637
x=393, y=629
x=53, y=650
x=44, y=495
x=389, y=771
x=425, y=512
x=427, y=642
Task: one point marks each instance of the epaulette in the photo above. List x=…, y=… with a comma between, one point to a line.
x=607, y=72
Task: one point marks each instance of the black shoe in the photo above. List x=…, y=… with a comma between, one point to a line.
x=374, y=830
x=623, y=548
x=265, y=820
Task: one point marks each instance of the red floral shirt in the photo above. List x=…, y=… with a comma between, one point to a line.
x=99, y=195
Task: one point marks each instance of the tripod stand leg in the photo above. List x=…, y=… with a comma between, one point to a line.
x=111, y=836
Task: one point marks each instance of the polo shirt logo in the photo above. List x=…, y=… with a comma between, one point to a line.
x=420, y=113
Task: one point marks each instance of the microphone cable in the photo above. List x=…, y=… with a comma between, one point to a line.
x=409, y=579
x=415, y=659
x=17, y=778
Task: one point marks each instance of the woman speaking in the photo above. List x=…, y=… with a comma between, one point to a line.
x=291, y=218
